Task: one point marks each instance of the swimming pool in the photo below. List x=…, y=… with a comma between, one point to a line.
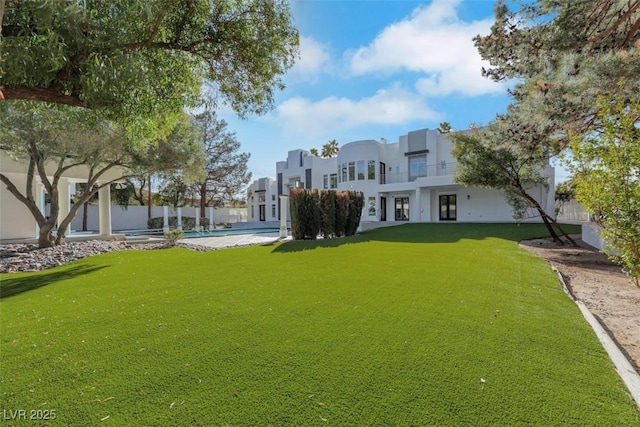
x=229, y=232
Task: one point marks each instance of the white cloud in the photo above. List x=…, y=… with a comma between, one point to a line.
x=433, y=41
x=391, y=106
x=314, y=57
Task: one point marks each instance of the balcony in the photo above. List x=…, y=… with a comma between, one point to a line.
x=443, y=169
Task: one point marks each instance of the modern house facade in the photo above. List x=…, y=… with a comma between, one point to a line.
x=409, y=180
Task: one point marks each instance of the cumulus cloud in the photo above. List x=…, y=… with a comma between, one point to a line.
x=314, y=57
x=391, y=106
x=433, y=41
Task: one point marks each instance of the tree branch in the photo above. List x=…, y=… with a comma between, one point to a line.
x=53, y=94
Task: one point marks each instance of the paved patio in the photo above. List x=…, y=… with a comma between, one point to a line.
x=230, y=241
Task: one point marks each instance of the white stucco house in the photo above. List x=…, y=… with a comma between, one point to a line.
x=409, y=180
x=17, y=222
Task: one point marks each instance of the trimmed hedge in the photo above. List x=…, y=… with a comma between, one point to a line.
x=188, y=222
x=327, y=212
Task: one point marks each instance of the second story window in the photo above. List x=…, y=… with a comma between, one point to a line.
x=352, y=171
x=371, y=169
x=417, y=166
x=360, y=169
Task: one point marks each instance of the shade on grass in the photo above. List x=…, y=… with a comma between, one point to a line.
x=413, y=325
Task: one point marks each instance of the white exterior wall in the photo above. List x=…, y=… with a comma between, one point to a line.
x=266, y=186
x=17, y=221
x=423, y=192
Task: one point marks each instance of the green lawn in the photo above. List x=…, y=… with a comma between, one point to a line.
x=414, y=325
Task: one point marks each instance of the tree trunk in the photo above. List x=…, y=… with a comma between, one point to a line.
x=546, y=218
x=203, y=200
x=45, y=235
x=85, y=213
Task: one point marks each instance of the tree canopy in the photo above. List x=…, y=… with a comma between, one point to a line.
x=563, y=54
x=141, y=61
x=607, y=176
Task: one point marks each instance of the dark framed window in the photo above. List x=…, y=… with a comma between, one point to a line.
x=371, y=169
x=402, y=209
x=360, y=168
x=352, y=171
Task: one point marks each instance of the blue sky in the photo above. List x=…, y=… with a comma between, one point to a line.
x=371, y=69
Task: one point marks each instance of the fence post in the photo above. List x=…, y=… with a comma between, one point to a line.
x=283, y=216
x=165, y=214
x=197, y=219
x=211, y=224
x=179, y=227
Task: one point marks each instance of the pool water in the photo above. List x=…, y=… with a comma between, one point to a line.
x=229, y=232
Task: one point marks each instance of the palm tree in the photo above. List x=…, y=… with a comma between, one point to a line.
x=330, y=149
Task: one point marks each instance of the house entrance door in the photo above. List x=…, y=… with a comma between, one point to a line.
x=402, y=209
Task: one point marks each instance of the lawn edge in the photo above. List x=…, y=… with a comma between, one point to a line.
x=624, y=368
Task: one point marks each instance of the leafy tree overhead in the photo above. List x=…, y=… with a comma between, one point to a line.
x=140, y=62
x=564, y=54
x=53, y=139
x=607, y=177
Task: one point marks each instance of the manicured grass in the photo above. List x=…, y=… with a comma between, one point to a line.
x=415, y=325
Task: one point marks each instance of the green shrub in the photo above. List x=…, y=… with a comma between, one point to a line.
x=356, y=203
x=327, y=213
x=341, y=213
x=305, y=214
x=173, y=236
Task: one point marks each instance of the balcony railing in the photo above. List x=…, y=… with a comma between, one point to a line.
x=442, y=169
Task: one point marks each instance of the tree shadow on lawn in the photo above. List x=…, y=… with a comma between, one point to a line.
x=15, y=286
x=425, y=233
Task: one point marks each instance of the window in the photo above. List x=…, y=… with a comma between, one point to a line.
x=417, y=167
x=352, y=171
x=261, y=197
x=273, y=211
x=252, y=211
x=360, y=170
x=372, y=206
x=333, y=180
x=273, y=197
x=371, y=169
x=325, y=181
x=344, y=172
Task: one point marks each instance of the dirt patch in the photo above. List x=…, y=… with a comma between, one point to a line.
x=601, y=285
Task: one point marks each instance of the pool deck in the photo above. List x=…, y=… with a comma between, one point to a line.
x=231, y=241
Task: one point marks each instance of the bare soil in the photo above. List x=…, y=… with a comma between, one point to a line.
x=601, y=285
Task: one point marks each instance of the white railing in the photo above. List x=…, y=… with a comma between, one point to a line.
x=442, y=169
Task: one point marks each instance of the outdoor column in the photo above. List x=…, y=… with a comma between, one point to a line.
x=179, y=227
x=64, y=201
x=211, y=223
x=283, y=216
x=197, y=219
x=418, y=205
x=40, y=202
x=165, y=214
x=104, y=209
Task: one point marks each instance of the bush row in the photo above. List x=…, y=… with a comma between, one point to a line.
x=328, y=213
x=188, y=222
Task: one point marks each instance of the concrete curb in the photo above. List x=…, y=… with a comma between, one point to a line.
x=623, y=366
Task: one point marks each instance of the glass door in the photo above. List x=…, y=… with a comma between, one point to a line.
x=402, y=209
x=448, y=207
